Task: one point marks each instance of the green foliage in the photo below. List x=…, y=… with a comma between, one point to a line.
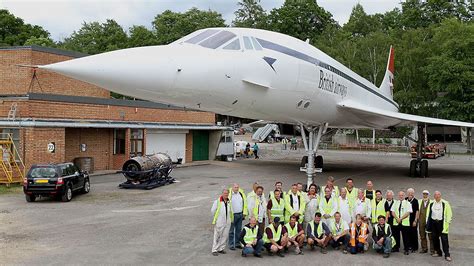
x=170, y=26
x=14, y=31
x=301, y=19
x=141, y=36
x=95, y=37
x=361, y=24
x=250, y=14
x=40, y=41
x=450, y=70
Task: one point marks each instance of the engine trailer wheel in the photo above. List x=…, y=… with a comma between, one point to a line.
x=413, y=168
x=424, y=169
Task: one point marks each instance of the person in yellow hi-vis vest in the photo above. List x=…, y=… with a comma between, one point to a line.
x=276, y=207
x=239, y=210
x=251, y=239
x=278, y=186
x=378, y=207
x=257, y=207
x=293, y=235
x=382, y=236
x=294, y=204
x=328, y=206
x=352, y=192
x=438, y=218
x=330, y=184
x=401, y=210
x=272, y=238
x=222, y=218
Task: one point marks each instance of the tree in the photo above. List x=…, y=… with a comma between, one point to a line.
x=141, y=36
x=301, y=19
x=14, y=31
x=250, y=15
x=94, y=38
x=450, y=70
x=361, y=24
x=40, y=41
x=170, y=26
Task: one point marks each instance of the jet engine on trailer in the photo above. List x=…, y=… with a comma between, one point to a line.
x=147, y=172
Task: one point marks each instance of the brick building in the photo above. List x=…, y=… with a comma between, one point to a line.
x=53, y=118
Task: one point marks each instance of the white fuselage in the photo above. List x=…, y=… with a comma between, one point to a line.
x=287, y=81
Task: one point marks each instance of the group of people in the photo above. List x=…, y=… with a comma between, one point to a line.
x=349, y=219
x=255, y=150
x=293, y=143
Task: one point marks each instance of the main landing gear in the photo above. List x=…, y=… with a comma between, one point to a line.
x=418, y=166
x=311, y=163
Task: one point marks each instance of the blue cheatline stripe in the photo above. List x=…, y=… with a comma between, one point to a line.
x=312, y=60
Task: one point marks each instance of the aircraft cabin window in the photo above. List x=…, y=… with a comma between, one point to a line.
x=247, y=43
x=201, y=36
x=218, y=39
x=234, y=45
x=256, y=44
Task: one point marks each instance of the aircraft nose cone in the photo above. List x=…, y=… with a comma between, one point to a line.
x=123, y=71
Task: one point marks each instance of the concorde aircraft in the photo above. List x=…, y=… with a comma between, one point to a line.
x=255, y=74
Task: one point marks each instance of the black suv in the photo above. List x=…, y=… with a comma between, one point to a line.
x=55, y=180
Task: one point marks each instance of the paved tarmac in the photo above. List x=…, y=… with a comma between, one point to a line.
x=171, y=224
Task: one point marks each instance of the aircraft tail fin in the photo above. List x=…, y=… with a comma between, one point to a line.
x=387, y=84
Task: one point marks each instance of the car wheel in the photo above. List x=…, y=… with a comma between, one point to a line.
x=30, y=198
x=87, y=187
x=67, y=195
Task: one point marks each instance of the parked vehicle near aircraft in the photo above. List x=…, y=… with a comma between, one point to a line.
x=55, y=180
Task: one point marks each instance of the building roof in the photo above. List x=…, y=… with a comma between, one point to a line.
x=93, y=100
x=70, y=123
x=45, y=50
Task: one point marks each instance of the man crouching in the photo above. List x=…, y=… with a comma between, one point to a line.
x=293, y=235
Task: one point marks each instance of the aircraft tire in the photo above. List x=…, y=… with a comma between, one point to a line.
x=424, y=169
x=304, y=161
x=318, y=161
x=413, y=168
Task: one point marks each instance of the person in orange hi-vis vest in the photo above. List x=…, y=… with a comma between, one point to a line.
x=358, y=231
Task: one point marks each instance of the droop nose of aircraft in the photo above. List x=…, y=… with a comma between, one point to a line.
x=126, y=71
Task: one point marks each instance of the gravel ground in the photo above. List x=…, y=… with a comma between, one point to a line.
x=171, y=224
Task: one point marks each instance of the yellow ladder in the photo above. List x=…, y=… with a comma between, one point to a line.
x=10, y=162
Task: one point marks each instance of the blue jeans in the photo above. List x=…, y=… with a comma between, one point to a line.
x=256, y=249
x=235, y=229
x=358, y=248
x=386, y=247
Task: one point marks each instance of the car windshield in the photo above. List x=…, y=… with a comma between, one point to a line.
x=45, y=172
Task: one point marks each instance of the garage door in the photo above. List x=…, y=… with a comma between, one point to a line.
x=174, y=144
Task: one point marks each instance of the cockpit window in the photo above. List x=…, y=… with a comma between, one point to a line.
x=256, y=44
x=234, y=45
x=201, y=36
x=218, y=39
x=247, y=43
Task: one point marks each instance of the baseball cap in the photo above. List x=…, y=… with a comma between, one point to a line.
x=426, y=192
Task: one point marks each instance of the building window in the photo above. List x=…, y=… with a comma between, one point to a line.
x=136, y=142
x=119, y=141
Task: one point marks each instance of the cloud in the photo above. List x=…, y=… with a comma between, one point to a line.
x=62, y=17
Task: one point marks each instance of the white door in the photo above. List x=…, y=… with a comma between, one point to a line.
x=173, y=144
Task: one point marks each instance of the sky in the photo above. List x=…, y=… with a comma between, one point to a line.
x=62, y=17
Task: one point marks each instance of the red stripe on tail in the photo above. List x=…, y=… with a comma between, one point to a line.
x=391, y=62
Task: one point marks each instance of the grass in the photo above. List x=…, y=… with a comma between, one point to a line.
x=13, y=188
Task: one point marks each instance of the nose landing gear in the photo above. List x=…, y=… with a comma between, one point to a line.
x=311, y=163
